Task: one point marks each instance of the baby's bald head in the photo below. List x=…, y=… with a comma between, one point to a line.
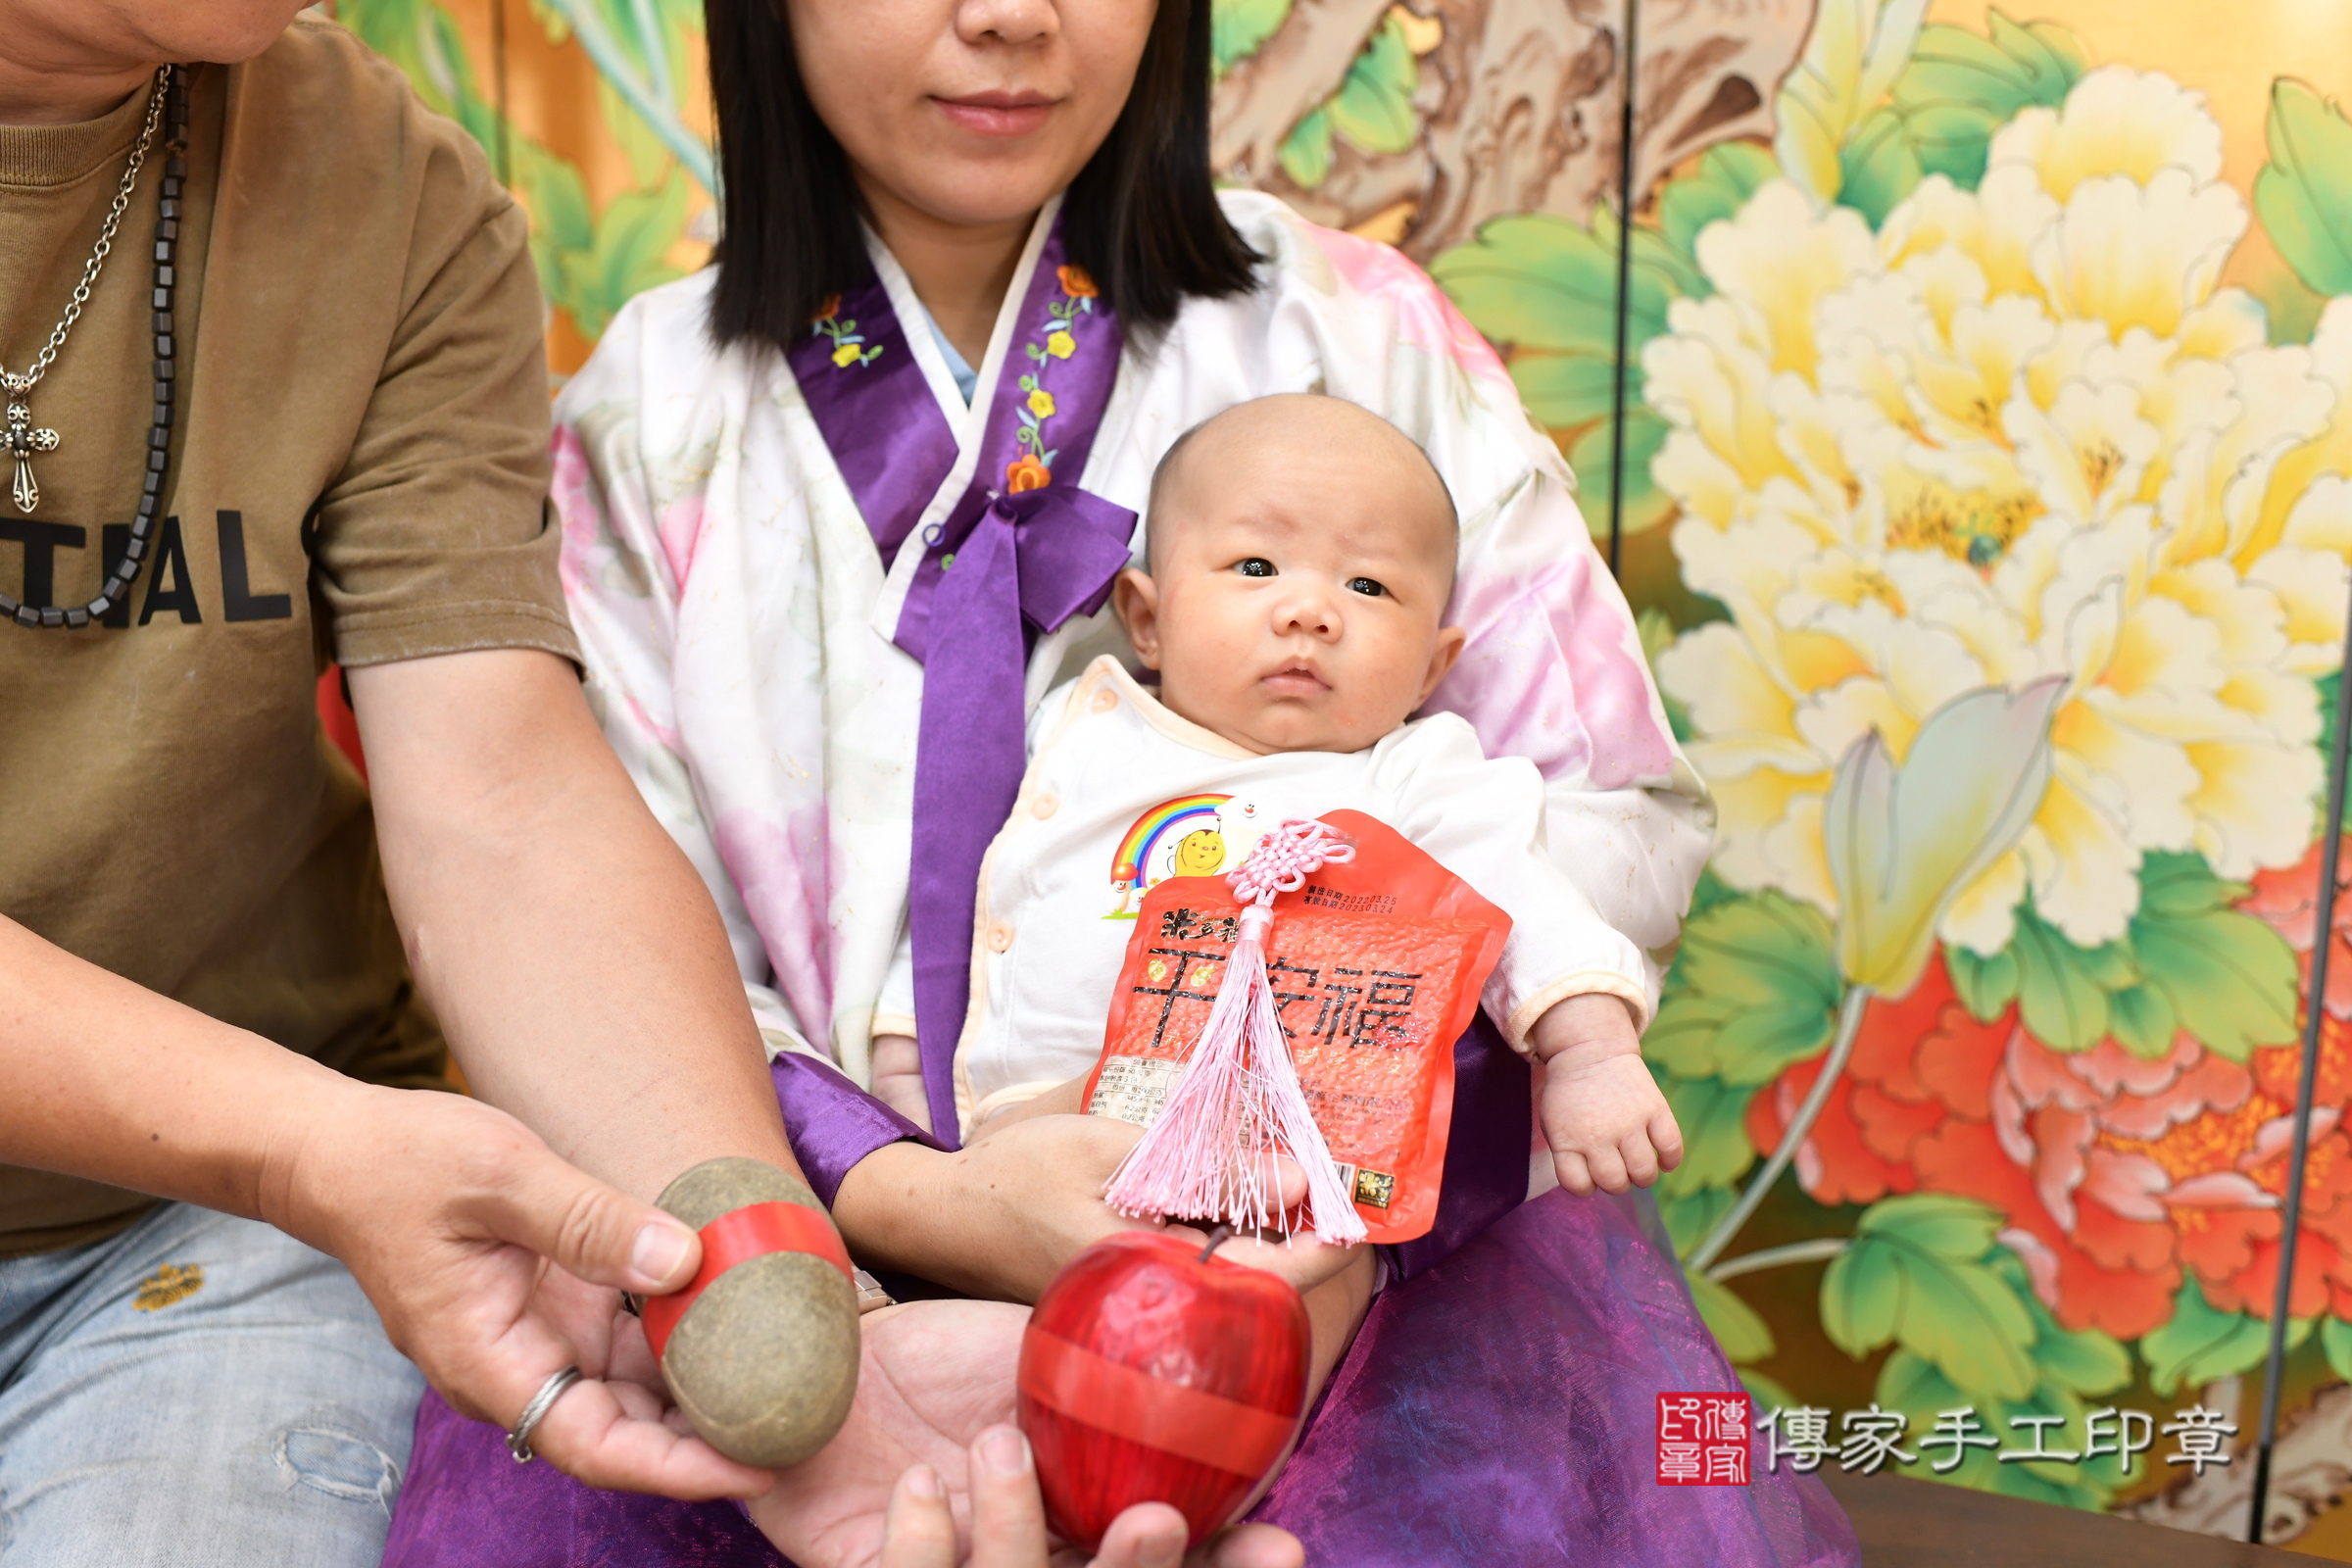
x=1301, y=557
x=1302, y=439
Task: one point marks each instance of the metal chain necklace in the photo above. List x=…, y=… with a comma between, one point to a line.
x=168, y=109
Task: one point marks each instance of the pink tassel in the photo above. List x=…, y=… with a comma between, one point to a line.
x=1238, y=1103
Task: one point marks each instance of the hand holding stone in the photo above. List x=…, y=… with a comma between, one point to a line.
x=761, y=1354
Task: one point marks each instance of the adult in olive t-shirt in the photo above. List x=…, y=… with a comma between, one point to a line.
x=203, y=990
x=369, y=484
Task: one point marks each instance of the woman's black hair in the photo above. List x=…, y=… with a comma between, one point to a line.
x=1142, y=216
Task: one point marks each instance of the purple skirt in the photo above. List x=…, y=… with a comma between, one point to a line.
x=1499, y=1407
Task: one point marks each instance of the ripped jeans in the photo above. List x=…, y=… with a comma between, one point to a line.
x=199, y=1390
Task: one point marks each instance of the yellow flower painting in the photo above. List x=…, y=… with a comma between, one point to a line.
x=2018, y=433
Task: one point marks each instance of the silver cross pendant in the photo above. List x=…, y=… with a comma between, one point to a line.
x=21, y=441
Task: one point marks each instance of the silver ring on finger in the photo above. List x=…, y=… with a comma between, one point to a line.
x=519, y=1440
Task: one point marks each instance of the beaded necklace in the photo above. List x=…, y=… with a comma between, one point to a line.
x=169, y=107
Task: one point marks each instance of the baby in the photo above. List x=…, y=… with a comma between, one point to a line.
x=1301, y=553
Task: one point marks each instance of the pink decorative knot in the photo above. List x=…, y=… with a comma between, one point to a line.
x=1239, y=1101
x=1286, y=858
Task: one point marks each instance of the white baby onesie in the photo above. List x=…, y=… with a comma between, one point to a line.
x=1121, y=794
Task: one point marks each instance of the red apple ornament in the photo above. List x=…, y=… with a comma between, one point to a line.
x=1153, y=1371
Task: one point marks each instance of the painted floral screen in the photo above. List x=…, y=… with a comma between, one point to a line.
x=1986, y=496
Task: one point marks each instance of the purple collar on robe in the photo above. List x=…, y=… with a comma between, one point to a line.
x=1022, y=550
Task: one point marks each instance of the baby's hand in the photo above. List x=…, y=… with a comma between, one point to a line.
x=1602, y=1113
x=899, y=1078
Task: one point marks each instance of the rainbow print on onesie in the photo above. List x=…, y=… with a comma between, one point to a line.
x=1191, y=835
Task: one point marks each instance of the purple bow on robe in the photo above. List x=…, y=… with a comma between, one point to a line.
x=1024, y=563
x=1004, y=568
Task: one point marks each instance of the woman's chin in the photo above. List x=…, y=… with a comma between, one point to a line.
x=969, y=180
x=989, y=195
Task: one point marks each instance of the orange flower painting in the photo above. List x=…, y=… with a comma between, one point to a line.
x=2117, y=1175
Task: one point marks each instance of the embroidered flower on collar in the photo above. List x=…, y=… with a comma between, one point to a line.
x=849, y=344
x=1053, y=338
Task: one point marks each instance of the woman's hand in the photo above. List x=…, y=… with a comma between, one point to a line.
x=1000, y=1217
x=1009, y=1523
x=934, y=1395
x=934, y=1375
x=997, y=1220
x=493, y=1264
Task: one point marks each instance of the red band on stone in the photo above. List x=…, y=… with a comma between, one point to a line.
x=737, y=1237
x=1208, y=1429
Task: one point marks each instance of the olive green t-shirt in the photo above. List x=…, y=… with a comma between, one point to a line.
x=358, y=471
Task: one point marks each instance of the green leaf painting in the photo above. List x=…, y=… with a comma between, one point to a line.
x=1918, y=1274
x=2189, y=960
x=2230, y=979
x=1961, y=86
x=1735, y=1325
x=2201, y=1343
x=2069, y=1369
x=1986, y=986
x=1237, y=28
x=1374, y=106
x=2085, y=1361
x=1372, y=110
x=1305, y=153
x=2062, y=989
x=1538, y=282
x=1956, y=88
x=589, y=261
x=1917, y=1387
x=1854, y=52
x=2299, y=194
x=1545, y=290
x=1757, y=989
x=626, y=255
x=1878, y=166
x=1715, y=1146
x=1690, y=1215
x=1727, y=175
x=2336, y=1341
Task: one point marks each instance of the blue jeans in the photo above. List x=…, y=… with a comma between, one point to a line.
x=199, y=1390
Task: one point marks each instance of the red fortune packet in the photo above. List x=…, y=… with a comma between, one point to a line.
x=1376, y=965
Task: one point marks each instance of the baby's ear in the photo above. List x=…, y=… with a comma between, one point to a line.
x=1447, y=649
x=1135, y=599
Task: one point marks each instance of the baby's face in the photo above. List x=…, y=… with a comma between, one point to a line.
x=1301, y=563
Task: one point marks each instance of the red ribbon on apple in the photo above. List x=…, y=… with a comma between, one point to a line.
x=1153, y=1371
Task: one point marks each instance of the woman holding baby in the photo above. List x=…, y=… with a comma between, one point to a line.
x=845, y=517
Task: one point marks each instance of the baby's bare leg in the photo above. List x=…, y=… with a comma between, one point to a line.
x=899, y=1078
x=1336, y=1309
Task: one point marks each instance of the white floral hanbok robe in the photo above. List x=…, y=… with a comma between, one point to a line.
x=736, y=616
